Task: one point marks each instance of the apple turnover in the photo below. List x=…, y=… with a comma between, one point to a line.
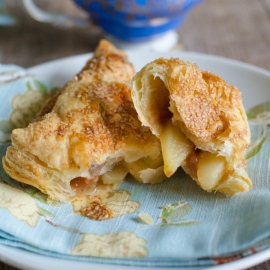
x=87, y=138
x=200, y=121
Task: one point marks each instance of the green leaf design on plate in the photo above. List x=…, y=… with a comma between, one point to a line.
x=44, y=212
x=28, y=85
x=41, y=87
x=255, y=148
x=181, y=223
x=250, y=115
x=37, y=194
x=166, y=212
x=175, y=210
x=37, y=85
x=171, y=213
x=256, y=110
x=259, y=117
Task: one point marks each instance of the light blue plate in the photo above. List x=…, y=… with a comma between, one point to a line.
x=207, y=229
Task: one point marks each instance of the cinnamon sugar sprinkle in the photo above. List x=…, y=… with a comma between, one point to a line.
x=110, y=111
x=97, y=211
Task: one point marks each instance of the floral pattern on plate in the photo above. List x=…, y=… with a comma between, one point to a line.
x=156, y=223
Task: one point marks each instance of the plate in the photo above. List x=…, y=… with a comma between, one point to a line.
x=254, y=84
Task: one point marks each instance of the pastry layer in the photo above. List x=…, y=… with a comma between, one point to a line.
x=198, y=108
x=86, y=136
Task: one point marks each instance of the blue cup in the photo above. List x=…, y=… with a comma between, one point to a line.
x=137, y=20
x=127, y=21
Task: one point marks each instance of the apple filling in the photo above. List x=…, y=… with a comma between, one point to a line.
x=144, y=170
x=147, y=170
x=177, y=150
x=95, y=177
x=81, y=184
x=207, y=168
x=210, y=170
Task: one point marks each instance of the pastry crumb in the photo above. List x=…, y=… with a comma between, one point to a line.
x=145, y=218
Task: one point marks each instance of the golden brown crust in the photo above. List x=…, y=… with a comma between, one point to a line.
x=107, y=64
x=205, y=107
x=90, y=127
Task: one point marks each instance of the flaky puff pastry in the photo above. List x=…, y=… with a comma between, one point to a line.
x=89, y=128
x=207, y=111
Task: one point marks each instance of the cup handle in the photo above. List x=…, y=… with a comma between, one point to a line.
x=59, y=19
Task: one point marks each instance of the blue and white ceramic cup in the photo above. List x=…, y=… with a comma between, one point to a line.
x=128, y=21
x=137, y=20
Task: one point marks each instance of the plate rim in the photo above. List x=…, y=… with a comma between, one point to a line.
x=248, y=261
x=11, y=252
x=227, y=60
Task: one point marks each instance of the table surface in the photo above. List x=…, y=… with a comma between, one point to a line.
x=235, y=29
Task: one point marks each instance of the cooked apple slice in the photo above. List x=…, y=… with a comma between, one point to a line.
x=153, y=162
x=175, y=148
x=147, y=170
x=153, y=176
x=210, y=169
x=116, y=175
